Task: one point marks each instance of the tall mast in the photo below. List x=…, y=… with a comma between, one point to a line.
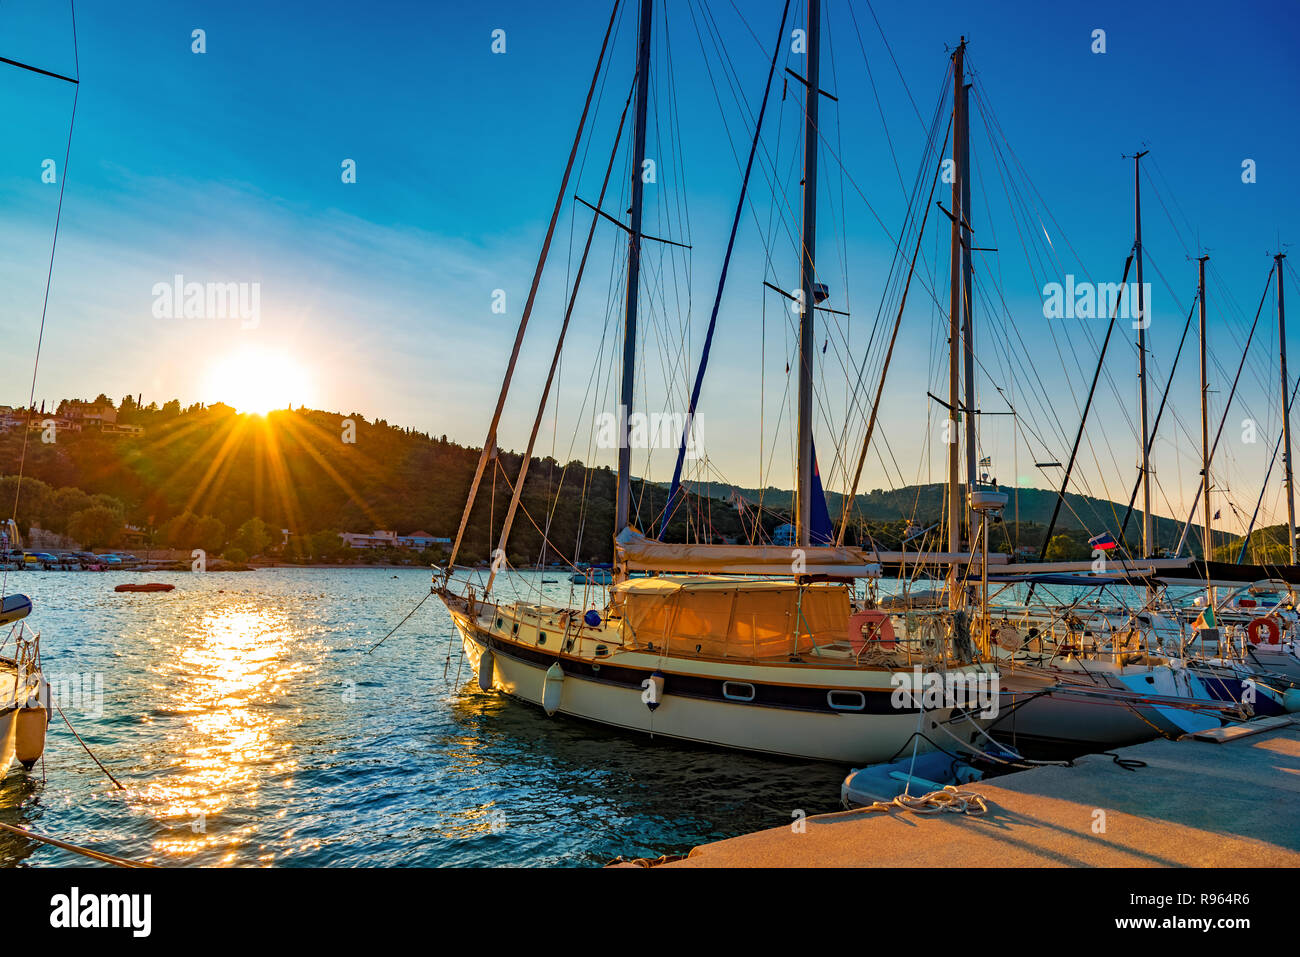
x=808, y=276
x=968, y=294
x=1205, y=415
x=623, y=502
x=1286, y=411
x=1147, y=542
x=955, y=506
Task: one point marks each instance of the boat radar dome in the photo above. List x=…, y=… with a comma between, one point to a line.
x=987, y=500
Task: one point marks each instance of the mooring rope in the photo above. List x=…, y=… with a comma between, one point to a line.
x=402, y=622
x=87, y=747
x=951, y=798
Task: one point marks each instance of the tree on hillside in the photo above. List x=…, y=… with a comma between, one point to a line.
x=30, y=501
x=181, y=532
x=254, y=536
x=326, y=545
x=1063, y=548
x=62, y=505
x=96, y=527
x=210, y=533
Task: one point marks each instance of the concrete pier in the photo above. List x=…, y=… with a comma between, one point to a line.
x=1195, y=804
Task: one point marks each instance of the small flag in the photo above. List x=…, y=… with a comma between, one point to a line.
x=986, y=462
x=1103, y=541
x=1205, y=619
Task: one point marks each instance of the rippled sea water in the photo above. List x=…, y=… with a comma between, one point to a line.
x=250, y=728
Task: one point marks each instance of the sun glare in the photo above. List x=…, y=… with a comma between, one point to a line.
x=257, y=381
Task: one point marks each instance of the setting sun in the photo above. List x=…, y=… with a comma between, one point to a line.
x=257, y=381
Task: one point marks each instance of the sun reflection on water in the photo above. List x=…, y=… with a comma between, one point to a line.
x=226, y=679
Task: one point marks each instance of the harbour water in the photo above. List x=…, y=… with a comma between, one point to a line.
x=249, y=727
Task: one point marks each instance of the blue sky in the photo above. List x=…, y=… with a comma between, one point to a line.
x=225, y=167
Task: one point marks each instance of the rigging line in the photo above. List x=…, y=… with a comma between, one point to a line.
x=1227, y=406
x=854, y=404
x=45, y=304
x=722, y=279
x=1264, y=487
x=490, y=442
x=875, y=407
x=559, y=347
x=1169, y=216
x=890, y=49
x=990, y=116
x=1005, y=177
x=888, y=298
x=36, y=69
x=1155, y=425
x=1083, y=421
x=1153, y=164
x=116, y=783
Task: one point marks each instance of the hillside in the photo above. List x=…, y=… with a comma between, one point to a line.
x=204, y=472
x=925, y=504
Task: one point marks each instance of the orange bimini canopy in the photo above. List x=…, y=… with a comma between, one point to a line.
x=717, y=617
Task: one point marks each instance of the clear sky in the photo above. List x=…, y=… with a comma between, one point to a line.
x=376, y=296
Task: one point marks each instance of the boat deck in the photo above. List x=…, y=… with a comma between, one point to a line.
x=1195, y=804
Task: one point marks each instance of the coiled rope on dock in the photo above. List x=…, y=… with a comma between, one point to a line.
x=951, y=799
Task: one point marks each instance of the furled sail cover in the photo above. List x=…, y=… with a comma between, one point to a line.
x=726, y=618
x=645, y=554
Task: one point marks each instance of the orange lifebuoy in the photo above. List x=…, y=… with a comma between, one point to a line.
x=1264, y=631
x=868, y=626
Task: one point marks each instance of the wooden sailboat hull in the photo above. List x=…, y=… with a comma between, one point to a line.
x=691, y=709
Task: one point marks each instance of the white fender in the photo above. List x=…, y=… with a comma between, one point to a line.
x=652, y=694
x=485, y=668
x=31, y=722
x=552, y=688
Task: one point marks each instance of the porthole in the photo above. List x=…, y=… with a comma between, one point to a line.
x=541, y=637
x=846, y=700
x=737, y=691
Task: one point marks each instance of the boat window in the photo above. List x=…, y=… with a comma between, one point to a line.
x=738, y=690
x=515, y=629
x=846, y=700
x=541, y=637
x=501, y=622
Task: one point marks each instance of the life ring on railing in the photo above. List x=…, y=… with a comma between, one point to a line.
x=1264, y=631
x=871, y=626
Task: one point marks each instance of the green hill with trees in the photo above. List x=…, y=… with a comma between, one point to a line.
x=208, y=477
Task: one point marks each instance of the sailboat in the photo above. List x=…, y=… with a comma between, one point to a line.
x=763, y=648
x=24, y=691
